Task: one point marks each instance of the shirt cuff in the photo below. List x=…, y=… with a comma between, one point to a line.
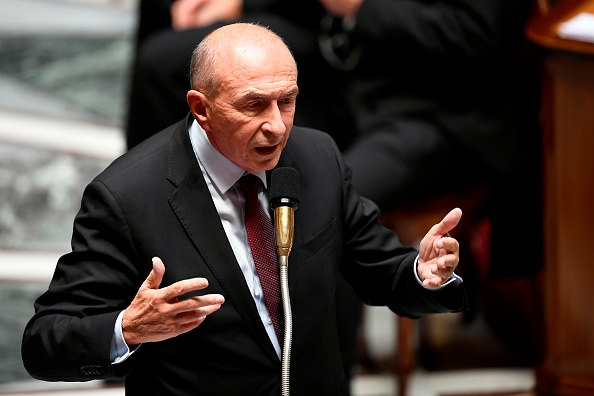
x=119, y=350
x=454, y=278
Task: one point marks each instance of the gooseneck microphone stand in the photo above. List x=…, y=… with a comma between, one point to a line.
x=284, y=239
x=284, y=199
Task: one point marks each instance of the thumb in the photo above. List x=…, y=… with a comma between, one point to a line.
x=448, y=223
x=153, y=280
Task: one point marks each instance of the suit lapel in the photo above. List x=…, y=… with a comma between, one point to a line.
x=193, y=205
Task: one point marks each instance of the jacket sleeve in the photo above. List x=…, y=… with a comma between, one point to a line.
x=381, y=269
x=68, y=338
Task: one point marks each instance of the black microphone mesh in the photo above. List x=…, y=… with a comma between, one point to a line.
x=284, y=183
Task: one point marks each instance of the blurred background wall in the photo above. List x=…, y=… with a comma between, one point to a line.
x=63, y=76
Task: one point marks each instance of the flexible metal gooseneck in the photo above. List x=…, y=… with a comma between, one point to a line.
x=284, y=218
x=286, y=357
x=284, y=199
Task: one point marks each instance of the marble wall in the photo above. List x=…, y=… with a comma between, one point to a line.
x=40, y=193
x=74, y=75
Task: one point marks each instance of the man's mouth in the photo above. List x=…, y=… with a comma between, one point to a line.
x=267, y=150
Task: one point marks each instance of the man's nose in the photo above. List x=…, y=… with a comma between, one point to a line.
x=274, y=121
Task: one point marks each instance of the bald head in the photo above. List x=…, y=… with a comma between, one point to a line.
x=244, y=92
x=241, y=45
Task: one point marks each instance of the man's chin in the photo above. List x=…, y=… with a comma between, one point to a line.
x=265, y=164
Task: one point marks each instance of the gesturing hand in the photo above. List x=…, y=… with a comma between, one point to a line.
x=439, y=253
x=158, y=314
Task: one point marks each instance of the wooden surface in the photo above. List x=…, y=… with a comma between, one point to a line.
x=569, y=217
x=568, y=115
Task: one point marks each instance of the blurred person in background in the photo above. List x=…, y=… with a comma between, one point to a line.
x=450, y=84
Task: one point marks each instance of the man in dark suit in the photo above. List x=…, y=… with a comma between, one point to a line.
x=194, y=322
x=167, y=33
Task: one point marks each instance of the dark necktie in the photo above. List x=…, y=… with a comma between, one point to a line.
x=261, y=238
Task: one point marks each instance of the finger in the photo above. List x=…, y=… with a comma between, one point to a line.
x=449, y=262
x=191, y=324
x=442, y=269
x=185, y=327
x=180, y=325
x=438, y=275
x=447, y=224
x=155, y=277
x=197, y=313
x=448, y=244
x=444, y=273
x=433, y=282
x=205, y=302
x=178, y=289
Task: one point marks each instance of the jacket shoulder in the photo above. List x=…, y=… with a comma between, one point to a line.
x=147, y=156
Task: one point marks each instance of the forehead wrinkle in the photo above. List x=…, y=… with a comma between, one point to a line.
x=255, y=75
x=250, y=77
x=260, y=95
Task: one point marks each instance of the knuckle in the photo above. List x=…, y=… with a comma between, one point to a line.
x=177, y=289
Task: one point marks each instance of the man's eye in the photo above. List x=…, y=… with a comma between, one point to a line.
x=286, y=101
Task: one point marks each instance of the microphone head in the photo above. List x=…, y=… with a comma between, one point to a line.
x=284, y=187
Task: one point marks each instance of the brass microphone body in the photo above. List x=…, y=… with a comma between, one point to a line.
x=284, y=230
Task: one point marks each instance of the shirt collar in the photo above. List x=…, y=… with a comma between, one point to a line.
x=223, y=172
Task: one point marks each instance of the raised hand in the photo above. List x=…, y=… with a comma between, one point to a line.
x=159, y=314
x=188, y=14
x=438, y=252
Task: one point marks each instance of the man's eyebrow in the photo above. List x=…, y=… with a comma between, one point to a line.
x=293, y=92
x=253, y=95
x=256, y=95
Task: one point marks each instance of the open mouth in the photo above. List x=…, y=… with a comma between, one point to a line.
x=266, y=150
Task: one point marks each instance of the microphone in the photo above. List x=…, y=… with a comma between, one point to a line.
x=284, y=200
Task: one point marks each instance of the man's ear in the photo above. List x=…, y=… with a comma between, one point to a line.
x=198, y=106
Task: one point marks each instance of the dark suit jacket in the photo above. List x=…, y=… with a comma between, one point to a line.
x=153, y=201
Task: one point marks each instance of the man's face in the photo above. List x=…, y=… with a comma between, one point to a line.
x=250, y=120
